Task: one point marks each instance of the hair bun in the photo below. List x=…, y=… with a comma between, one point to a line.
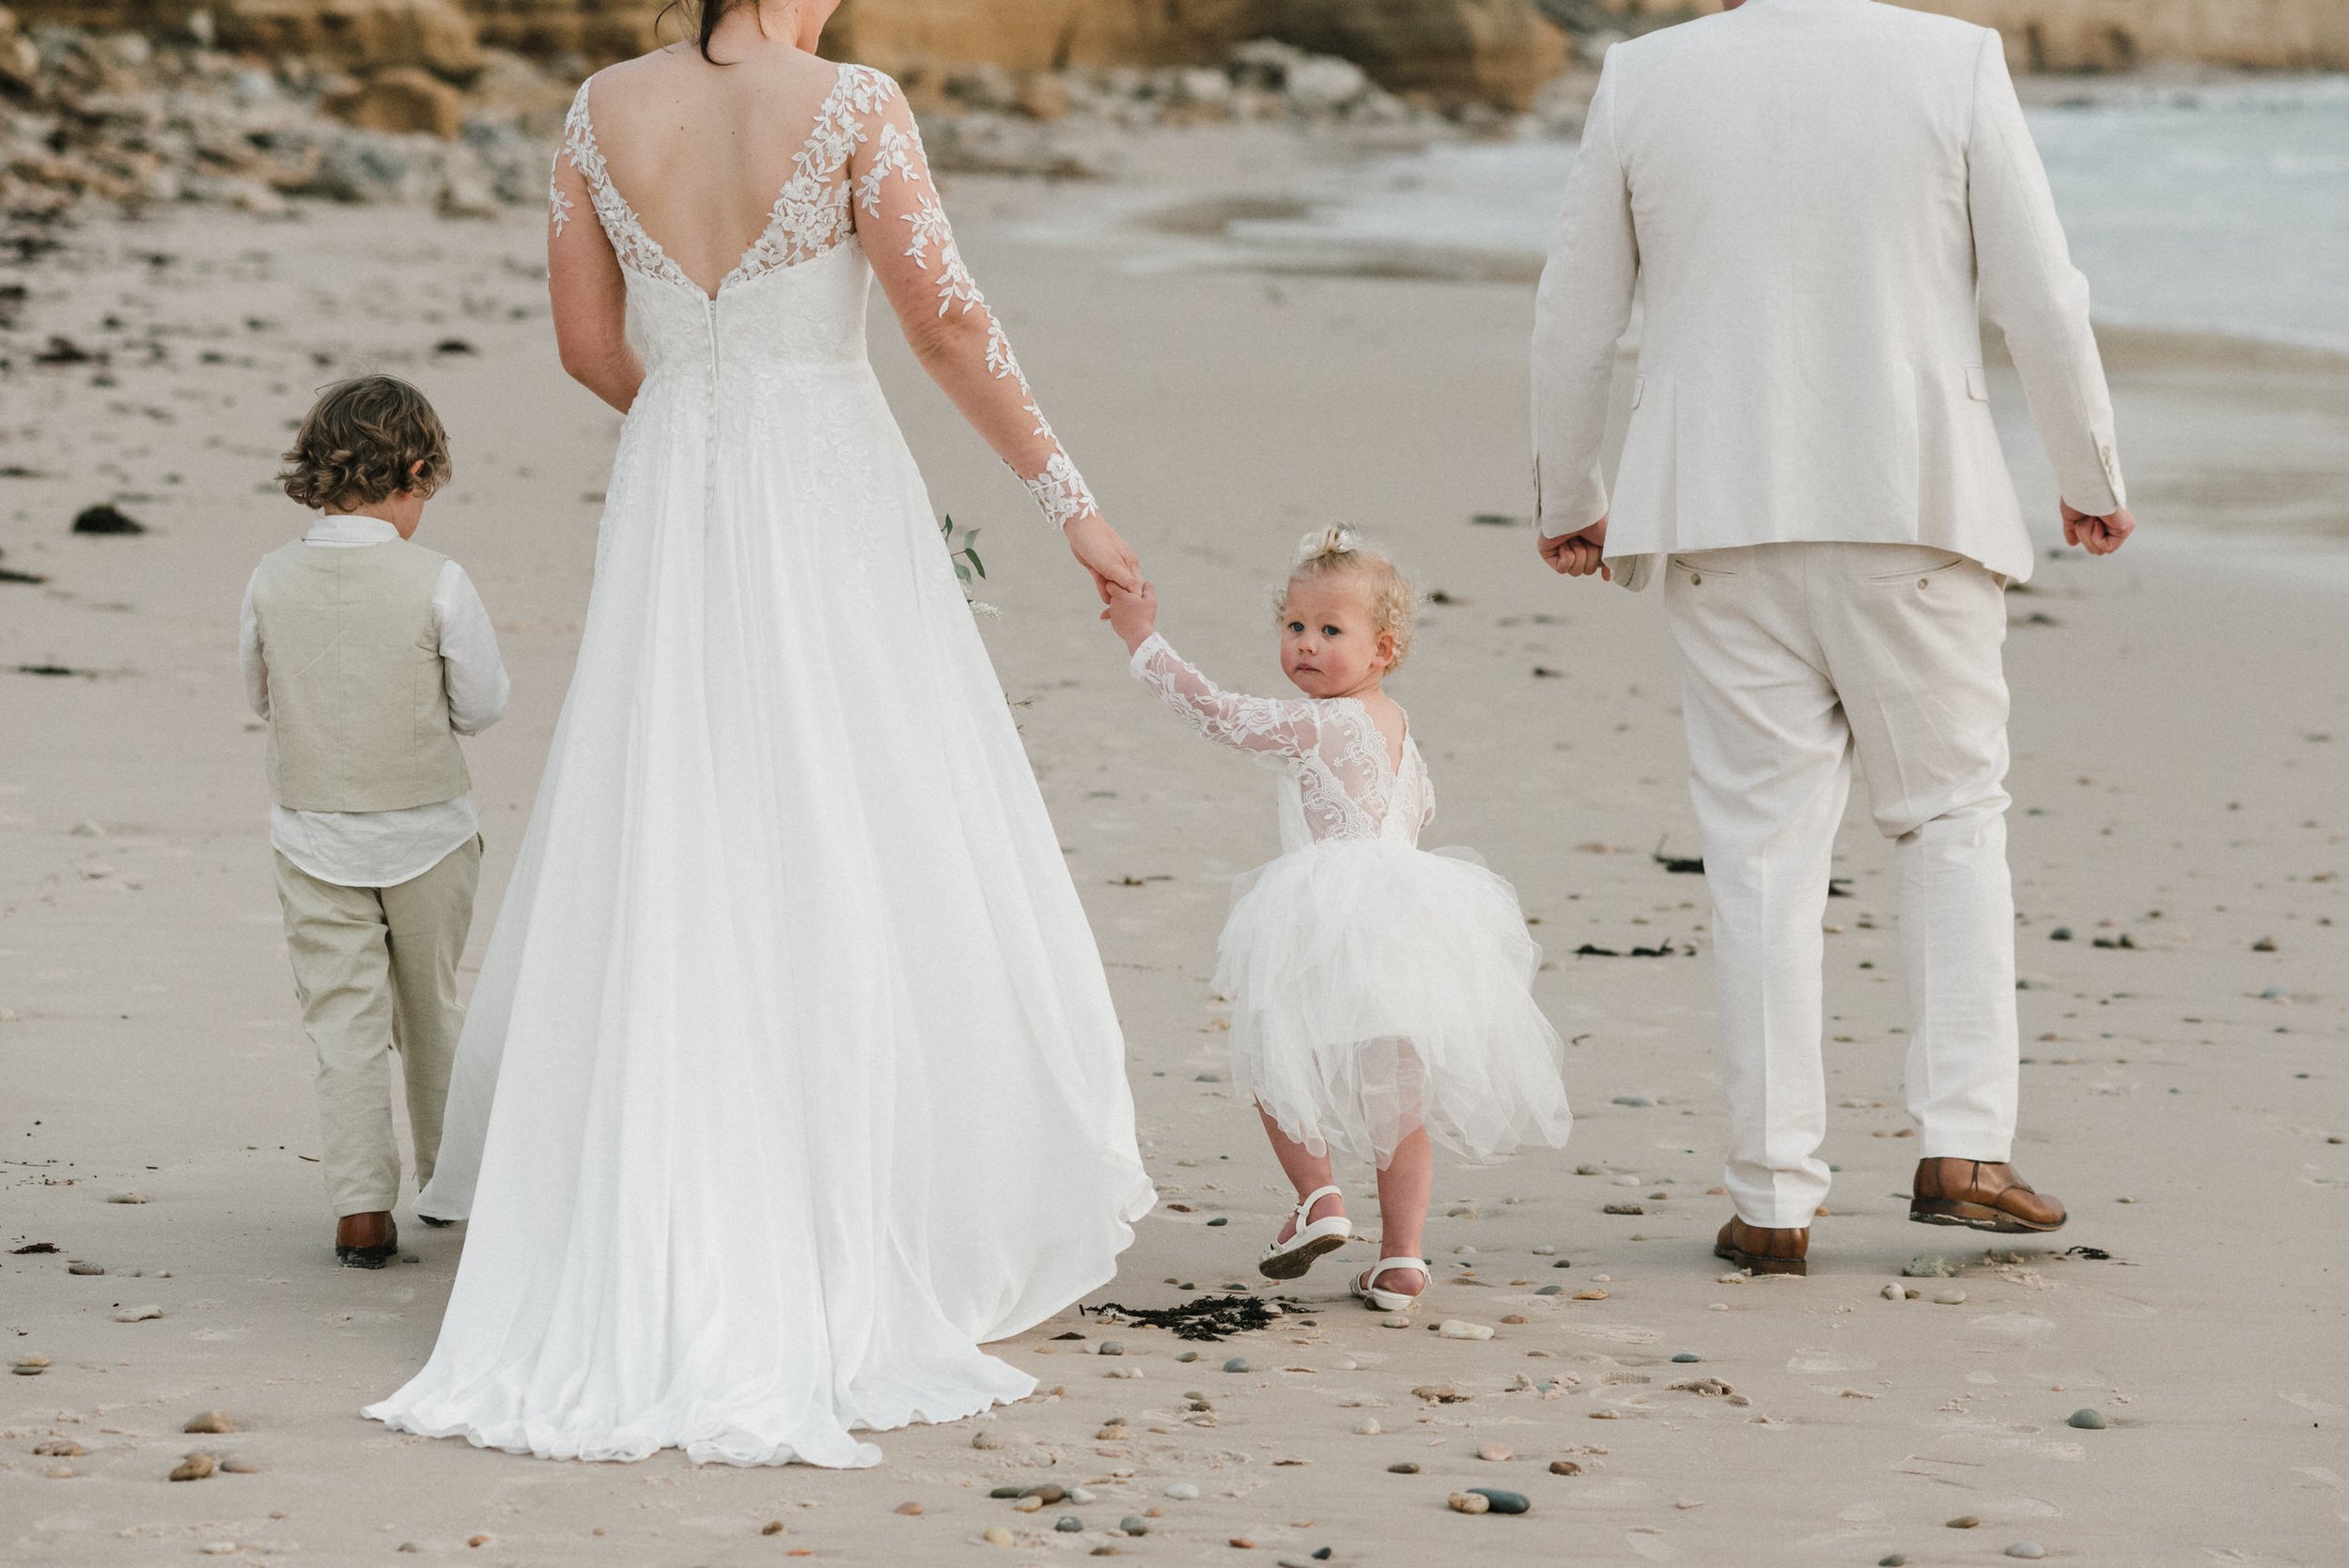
x=1324, y=542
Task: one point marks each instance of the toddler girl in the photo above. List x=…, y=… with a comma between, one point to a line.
x=1379, y=992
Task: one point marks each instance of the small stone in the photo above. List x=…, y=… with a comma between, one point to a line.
x=1895, y=1560
x=2060, y=934
x=1004, y=1492
x=1622, y=1208
x=218, y=1548
x=1591, y=1294
x=1396, y=1321
x=1237, y=1363
x=1513, y=1318
x=1495, y=1453
x=1182, y=1491
x=1565, y=1466
x=986, y=1440
x=1551, y=1290
x=1459, y=1328
x=1894, y=1293
x=1964, y=1521
x=1243, y=1543
x=1502, y=1502
x=996, y=1536
x=29, y=1366
x=1403, y=1466
x=913, y=1510
x=1134, y=1524
x=78, y=1266
x=1028, y=1505
x=58, y=1472
x=86, y=829
x=1545, y=1252
x=1686, y=1356
x=2087, y=1420
x=1046, y=1495
x=1112, y=1347
x=1950, y=1298
x=1469, y=1503
x=136, y=1314
x=211, y=1420
x=196, y=1466
x=1367, y=1427
x=1637, y=1102
x=477, y=1540
x=238, y=1466
x=60, y=1448
x=1068, y=1524
x=1220, y=1220
x=1187, y=1355
x=773, y=1526
x=126, y=1196
x=1929, y=1265
x=2030, y=1550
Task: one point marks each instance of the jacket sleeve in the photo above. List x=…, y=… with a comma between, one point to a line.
x=2031, y=291
x=1579, y=313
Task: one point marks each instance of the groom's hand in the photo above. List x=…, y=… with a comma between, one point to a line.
x=2097, y=536
x=1577, y=554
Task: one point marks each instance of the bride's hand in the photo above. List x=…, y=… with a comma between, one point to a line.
x=1100, y=550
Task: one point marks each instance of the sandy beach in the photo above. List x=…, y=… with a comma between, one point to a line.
x=2181, y=840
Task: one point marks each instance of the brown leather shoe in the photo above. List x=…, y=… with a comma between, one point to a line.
x=365, y=1240
x=1981, y=1195
x=1763, y=1249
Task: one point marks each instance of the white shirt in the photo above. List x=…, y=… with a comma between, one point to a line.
x=379, y=848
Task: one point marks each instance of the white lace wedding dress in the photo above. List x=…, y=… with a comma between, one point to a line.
x=792, y=1075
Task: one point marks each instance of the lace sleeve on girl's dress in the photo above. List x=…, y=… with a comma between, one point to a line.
x=912, y=250
x=1269, y=727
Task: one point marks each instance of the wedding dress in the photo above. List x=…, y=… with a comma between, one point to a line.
x=792, y=1075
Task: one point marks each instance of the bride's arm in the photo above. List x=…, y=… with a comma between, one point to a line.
x=590, y=297
x=904, y=234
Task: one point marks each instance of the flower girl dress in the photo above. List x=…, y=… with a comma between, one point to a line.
x=1375, y=987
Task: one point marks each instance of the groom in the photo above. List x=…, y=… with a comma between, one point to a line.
x=1818, y=197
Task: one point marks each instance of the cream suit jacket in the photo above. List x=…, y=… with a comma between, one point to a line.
x=1817, y=202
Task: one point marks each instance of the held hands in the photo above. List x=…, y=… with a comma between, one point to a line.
x=1100, y=551
x=1133, y=615
x=1577, y=554
x=2097, y=536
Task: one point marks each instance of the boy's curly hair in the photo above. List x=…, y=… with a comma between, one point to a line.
x=359, y=442
x=1393, y=603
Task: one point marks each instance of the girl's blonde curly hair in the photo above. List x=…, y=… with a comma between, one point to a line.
x=360, y=442
x=1393, y=603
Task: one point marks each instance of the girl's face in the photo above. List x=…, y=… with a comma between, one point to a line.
x=1330, y=647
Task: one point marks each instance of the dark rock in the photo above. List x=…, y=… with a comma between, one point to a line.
x=1505, y=1501
x=105, y=519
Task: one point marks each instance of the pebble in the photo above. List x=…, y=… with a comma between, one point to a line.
x=996, y=1536
x=1469, y=1503
x=1686, y=1355
x=1895, y=1560
x=1220, y=1220
x=30, y=1366
x=1112, y=1347
x=1187, y=1355
x=1504, y=1502
x=1622, y=1208
x=2031, y=1549
x=126, y=1196
x=1080, y=1497
x=1068, y=1524
x=78, y=1266
x=1929, y=1265
x=913, y=1510
x=1460, y=1328
x=1637, y=1102
x=1403, y=1466
x=1545, y=1252
x=1237, y=1363
x=1894, y=1293
x=240, y=1467
x=60, y=1448
x=1005, y=1493
x=1028, y=1505
x=1565, y=1466
x=1397, y=1321
x=1048, y=1493
x=211, y=1420
x=1134, y=1524
x=58, y=1472
x=136, y=1314
x=1589, y=1295
x=1182, y=1491
x=773, y=1526
x=1629, y=1181
x=986, y=1440
x=1964, y=1521
x=2087, y=1420
x=1495, y=1453
x=1950, y=1298
x=196, y=1466
x=1368, y=1427
x=218, y=1548
x=1551, y=1290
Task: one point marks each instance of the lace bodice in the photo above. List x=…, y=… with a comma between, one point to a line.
x=1338, y=780
x=861, y=173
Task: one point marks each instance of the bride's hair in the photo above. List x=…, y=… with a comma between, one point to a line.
x=1393, y=603
x=704, y=17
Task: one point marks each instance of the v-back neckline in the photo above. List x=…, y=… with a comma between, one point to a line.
x=1402, y=744
x=598, y=174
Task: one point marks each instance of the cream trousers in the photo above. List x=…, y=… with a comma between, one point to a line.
x=376, y=970
x=1797, y=659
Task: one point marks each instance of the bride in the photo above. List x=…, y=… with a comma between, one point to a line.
x=792, y=1075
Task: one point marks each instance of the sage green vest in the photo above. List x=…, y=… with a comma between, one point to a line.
x=358, y=708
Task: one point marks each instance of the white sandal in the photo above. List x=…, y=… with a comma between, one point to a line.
x=1365, y=1285
x=1286, y=1260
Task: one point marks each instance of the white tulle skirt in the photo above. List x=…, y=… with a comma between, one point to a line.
x=1377, y=988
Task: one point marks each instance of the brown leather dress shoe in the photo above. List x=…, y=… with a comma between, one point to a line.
x=1980, y=1195
x=1763, y=1249
x=365, y=1240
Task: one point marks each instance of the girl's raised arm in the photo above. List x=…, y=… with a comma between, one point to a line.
x=1271, y=727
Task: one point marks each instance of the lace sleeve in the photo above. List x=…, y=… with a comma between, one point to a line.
x=911, y=247
x=1268, y=728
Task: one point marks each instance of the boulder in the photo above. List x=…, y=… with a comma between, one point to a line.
x=401, y=99
x=359, y=36
x=1454, y=52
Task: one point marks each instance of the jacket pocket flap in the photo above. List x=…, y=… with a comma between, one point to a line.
x=1977, y=384
x=1639, y=389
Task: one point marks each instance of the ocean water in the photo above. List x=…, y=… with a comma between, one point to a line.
x=2213, y=210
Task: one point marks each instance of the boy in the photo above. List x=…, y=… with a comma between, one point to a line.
x=368, y=655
